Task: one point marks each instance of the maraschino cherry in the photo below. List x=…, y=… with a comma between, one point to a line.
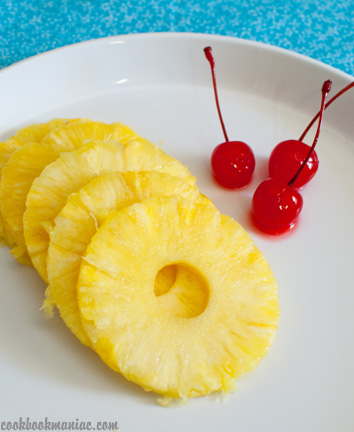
x=232, y=162
x=289, y=155
x=276, y=203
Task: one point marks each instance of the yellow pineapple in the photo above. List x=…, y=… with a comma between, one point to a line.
x=27, y=163
x=70, y=172
x=32, y=133
x=158, y=340
x=78, y=222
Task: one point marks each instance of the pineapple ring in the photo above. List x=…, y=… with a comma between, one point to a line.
x=78, y=222
x=27, y=163
x=50, y=191
x=134, y=332
x=32, y=133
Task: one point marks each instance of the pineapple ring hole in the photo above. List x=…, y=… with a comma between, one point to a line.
x=182, y=290
x=165, y=279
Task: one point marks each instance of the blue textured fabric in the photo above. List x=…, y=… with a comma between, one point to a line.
x=323, y=30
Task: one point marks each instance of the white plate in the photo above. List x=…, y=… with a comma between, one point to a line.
x=160, y=84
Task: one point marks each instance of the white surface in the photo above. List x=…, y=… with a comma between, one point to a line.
x=161, y=86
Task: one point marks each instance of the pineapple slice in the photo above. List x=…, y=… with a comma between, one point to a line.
x=78, y=221
x=27, y=163
x=50, y=191
x=32, y=133
x=163, y=344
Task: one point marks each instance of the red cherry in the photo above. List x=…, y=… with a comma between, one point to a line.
x=275, y=206
x=232, y=162
x=287, y=157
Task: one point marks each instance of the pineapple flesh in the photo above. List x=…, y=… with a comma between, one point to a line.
x=50, y=191
x=32, y=133
x=78, y=221
x=27, y=163
x=156, y=339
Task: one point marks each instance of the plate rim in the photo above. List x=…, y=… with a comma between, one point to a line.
x=178, y=35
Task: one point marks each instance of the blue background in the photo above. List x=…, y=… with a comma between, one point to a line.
x=323, y=30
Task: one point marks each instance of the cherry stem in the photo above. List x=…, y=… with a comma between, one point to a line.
x=326, y=88
x=348, y=87
x=210, y=58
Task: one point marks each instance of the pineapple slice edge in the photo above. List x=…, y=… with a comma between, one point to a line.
x=31, y=133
